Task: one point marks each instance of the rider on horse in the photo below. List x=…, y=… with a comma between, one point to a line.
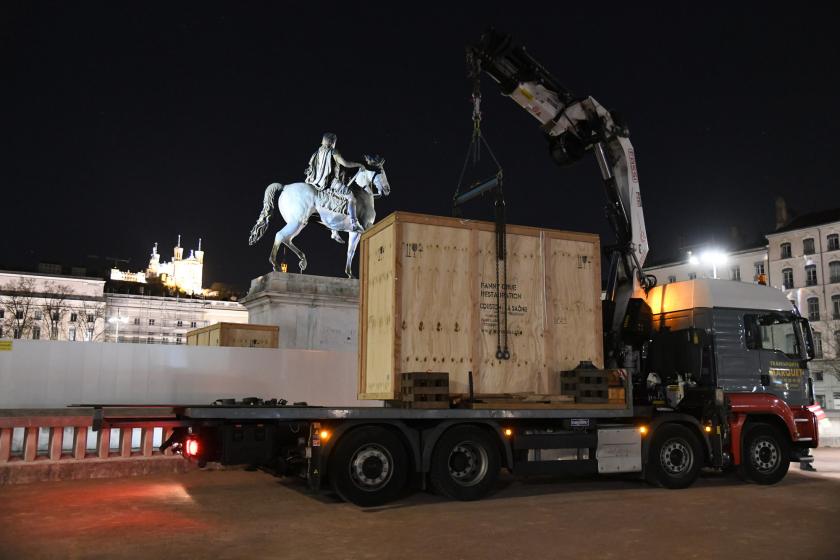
x=325, y=169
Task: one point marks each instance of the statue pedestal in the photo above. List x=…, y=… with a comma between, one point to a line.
x=313, y=312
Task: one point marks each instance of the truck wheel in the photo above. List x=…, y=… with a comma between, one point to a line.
x=765, y=455
x=369, y=467
x=465, y=463
x=674, y=457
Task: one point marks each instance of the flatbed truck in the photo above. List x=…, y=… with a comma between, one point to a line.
x=716, y=371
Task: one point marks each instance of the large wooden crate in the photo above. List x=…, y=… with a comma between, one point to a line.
x=428, y=300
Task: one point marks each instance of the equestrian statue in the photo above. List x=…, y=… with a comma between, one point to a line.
x=341, y=205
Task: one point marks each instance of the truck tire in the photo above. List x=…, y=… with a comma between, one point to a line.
x=765, y=455
x=674, y=458
x=465, y=463
x=369, y=467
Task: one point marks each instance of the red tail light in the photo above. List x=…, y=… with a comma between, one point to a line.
x=191, y=447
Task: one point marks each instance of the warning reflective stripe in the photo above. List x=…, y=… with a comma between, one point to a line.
x=5, y=345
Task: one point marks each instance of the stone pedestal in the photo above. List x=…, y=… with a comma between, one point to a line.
x=313, y=312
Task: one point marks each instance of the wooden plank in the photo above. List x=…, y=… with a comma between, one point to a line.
x=525, y=321
x=377, y=340
x=80, y=442
x=56, y=439
x=576, y=303
x=361, y=356
x=397, y=307
x=435, y=290
x=546, y=406
x=512, y=229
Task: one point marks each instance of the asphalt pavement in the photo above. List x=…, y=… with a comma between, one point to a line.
x=251, y=514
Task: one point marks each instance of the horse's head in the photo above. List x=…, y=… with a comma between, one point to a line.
x=376, y=169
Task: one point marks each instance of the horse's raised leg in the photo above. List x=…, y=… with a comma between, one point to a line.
x=352, y=244
x=284, y=237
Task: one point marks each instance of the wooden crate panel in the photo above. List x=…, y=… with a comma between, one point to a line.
x=377, y=314
x=435, y=285
x=432, y=281
x=525, y=369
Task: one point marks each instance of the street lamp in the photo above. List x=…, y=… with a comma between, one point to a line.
x=116, y=322
x=709, y=257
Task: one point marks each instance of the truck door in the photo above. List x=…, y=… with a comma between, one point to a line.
x=773, y=342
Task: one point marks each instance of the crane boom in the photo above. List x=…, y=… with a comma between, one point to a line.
x=574, y=126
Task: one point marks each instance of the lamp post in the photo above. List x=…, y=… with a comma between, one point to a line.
x=116, y=322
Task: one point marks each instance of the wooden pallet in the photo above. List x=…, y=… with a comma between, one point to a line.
x=425, y=390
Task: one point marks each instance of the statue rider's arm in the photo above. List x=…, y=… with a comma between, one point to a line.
x=341, y=161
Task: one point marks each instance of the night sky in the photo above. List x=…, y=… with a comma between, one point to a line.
x=129, y=123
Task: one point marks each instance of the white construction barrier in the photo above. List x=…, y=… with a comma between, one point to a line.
x=48, y=374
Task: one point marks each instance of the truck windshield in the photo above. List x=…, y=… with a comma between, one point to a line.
x=772, y=331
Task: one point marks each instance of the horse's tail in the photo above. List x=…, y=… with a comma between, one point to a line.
x=265, y=216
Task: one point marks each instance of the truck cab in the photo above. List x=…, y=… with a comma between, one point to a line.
x=747, y=343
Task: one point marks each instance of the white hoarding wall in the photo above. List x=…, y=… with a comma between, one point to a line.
x=46, y=374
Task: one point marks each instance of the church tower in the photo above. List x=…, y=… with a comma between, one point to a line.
x=178, y=252
x=199, y=254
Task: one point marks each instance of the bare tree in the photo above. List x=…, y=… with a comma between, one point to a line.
x=54, y=307
x=829, y=357
x=89, y=313
x=17, y=299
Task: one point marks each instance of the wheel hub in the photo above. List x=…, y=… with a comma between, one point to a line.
x=371, y=467
x=676, y=457
x=468, y=463
x=765, y=456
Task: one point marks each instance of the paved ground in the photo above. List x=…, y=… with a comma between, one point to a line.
x=238, y=514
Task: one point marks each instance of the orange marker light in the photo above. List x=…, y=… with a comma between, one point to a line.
x=508, y=432
x=192, y=447
x=708, y=429
x=325, y=435
x=643, y=430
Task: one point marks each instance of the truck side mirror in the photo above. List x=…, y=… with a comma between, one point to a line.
x=808, y=337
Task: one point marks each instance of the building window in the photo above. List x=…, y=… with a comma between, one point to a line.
x=151, y=322
x=735, y=273
x=2, y=313
x=71, y=334
x=759, y=268
x=150, y=340
x=36, y=333
x=165, y=340
x=833, y=242
x=54, y=332
x=818, y=352
x=137, y=320
x=90, y=318
x=835, y=307
x=834, y=272
x=811, y=275
x=38, y=316
x=180, y=323
x=785, y=249
x=808, y=246
x=813, y=309
x=787, y=278
x=179, y=340
x=692, y=275
x=89, y=333
x=18, y=315
x=821, y=400
x=672, y=279
x=56, y=316
x=74, y=317
x=192, y=324
x=836, y=401
x=818, y=376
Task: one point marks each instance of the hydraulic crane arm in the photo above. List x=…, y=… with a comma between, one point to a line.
x=574, y=126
